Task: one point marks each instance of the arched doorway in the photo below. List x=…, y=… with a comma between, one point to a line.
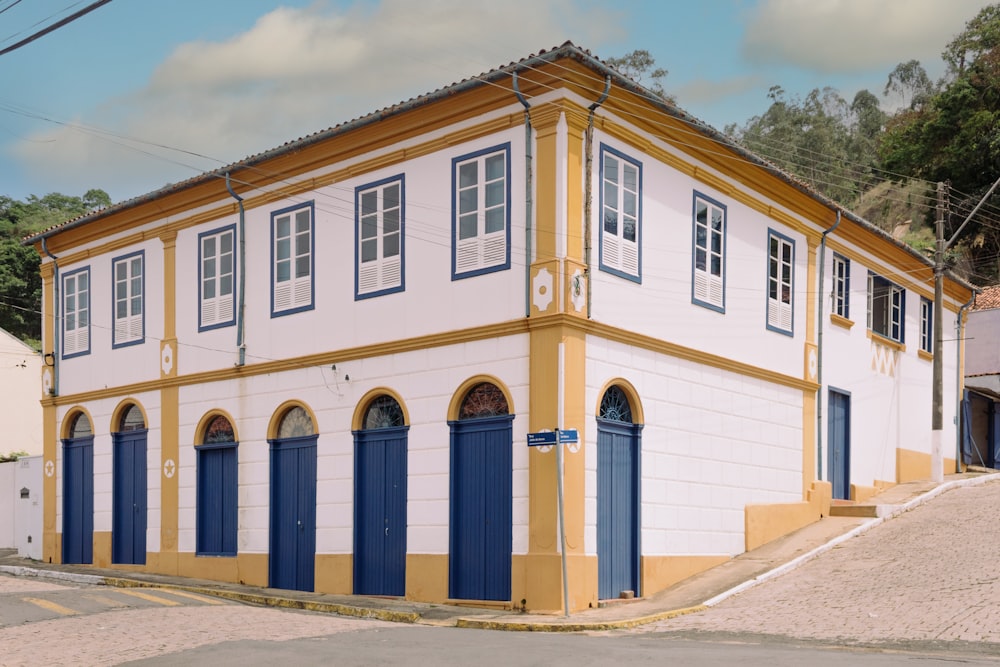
x=292, y=559
x=617, y=496
x=218, y=482
x=380, y=499
x=128, y=505
x=481, y=496
x=78, y=491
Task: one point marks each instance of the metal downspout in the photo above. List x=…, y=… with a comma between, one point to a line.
x=960, y=327
x=241, y=346
x=57, y=322
x=528, y=187
x=819, y=351
x=588, y=191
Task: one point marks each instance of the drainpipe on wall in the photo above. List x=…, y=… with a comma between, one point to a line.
x=241, y=346
x=57, y=322
x=588, y=191
x=528, y=187
x=960, y=339
x=819, y=351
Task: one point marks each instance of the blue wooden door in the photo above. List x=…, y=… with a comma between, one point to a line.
x=380, y=512
x=128, y=509
x=618, y=550
x=78, y=500
x=994, y=435
x=481, y=497
x=839, y=443
x=217, y=514
x=292, y=560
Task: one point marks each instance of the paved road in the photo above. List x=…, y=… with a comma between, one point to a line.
x=44, y=622
x=929, y=577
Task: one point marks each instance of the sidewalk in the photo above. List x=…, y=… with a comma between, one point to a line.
x=691, y=595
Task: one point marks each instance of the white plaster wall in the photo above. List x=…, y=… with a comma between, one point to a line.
x=431, y=303
x=20, y=393
x=982, y=344
x=104, y=366
x=890, y=402
x=425, y=379
x=662, y=307
x=713, y=442
x=101, y=412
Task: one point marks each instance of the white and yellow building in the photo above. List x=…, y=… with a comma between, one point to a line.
x=317, y=368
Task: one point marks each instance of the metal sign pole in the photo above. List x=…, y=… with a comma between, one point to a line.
x=559, y=479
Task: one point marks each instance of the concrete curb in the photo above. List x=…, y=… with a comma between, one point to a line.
x=593, y=626
x=20, y=571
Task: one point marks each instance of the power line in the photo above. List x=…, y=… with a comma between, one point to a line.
x=55, y=26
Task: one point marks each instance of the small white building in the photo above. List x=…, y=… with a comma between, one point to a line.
x=20, y=388
x=317, y=368
x=981, y=400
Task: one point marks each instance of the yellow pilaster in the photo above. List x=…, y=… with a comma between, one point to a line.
x=169, y=412
x=557, y=291
x=810, y=370
x=50, y=547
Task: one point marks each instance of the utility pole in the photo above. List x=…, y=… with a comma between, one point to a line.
x=937, y=396
x=937, y=400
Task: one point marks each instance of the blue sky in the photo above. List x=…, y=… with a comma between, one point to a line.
x=138, y=94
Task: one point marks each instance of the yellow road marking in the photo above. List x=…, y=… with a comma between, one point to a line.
x=195, y=596
x=51, y=606
x=106, y=601
x=150, y=598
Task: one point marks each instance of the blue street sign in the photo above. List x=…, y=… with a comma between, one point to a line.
x=568, y=436
x=541, y=438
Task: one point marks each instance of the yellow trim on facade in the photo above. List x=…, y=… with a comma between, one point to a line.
x=119, y=412
x=841, y=321
x=280, y=412
x=199, y=431
x=602, y=330
x=926, y=356
x=455, y=405
x=169, y=478
x=885, y=342
x=361, y=407
x=634, y=402
x=67, y=420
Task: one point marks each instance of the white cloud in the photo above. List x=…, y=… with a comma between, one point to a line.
x=298, y=71
x=838, y=36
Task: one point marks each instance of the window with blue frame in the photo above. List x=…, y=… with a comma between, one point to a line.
x=926, y=325
x=129, y=325
x=780, y=288
x=621, y=215
x=708, y=281
x=886, y=308
x=216, y=278
x=76, y=313
x=217, y=514
x=292, y=261
x=841, y=286
x=481, y=212
x=378, y=252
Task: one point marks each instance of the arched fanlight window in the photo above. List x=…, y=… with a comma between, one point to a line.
x=383, y=412
x=483, y=400
x=615, y=406
x=132, y=419
x=219, y=430
x=295, y=423
x=80, y=427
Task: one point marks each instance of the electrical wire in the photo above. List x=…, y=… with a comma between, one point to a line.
x=55, y=26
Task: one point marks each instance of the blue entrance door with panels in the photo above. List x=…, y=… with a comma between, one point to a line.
x=292, y=558
x=128, y=510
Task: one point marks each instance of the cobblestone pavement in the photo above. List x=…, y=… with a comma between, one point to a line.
x=114, y=637
x=929, y=575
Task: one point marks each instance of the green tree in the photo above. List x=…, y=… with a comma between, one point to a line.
x=640, y=66
x=955, y=135
x=20, y=280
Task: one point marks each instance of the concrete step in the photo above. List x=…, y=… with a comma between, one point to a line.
x=866, y=510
